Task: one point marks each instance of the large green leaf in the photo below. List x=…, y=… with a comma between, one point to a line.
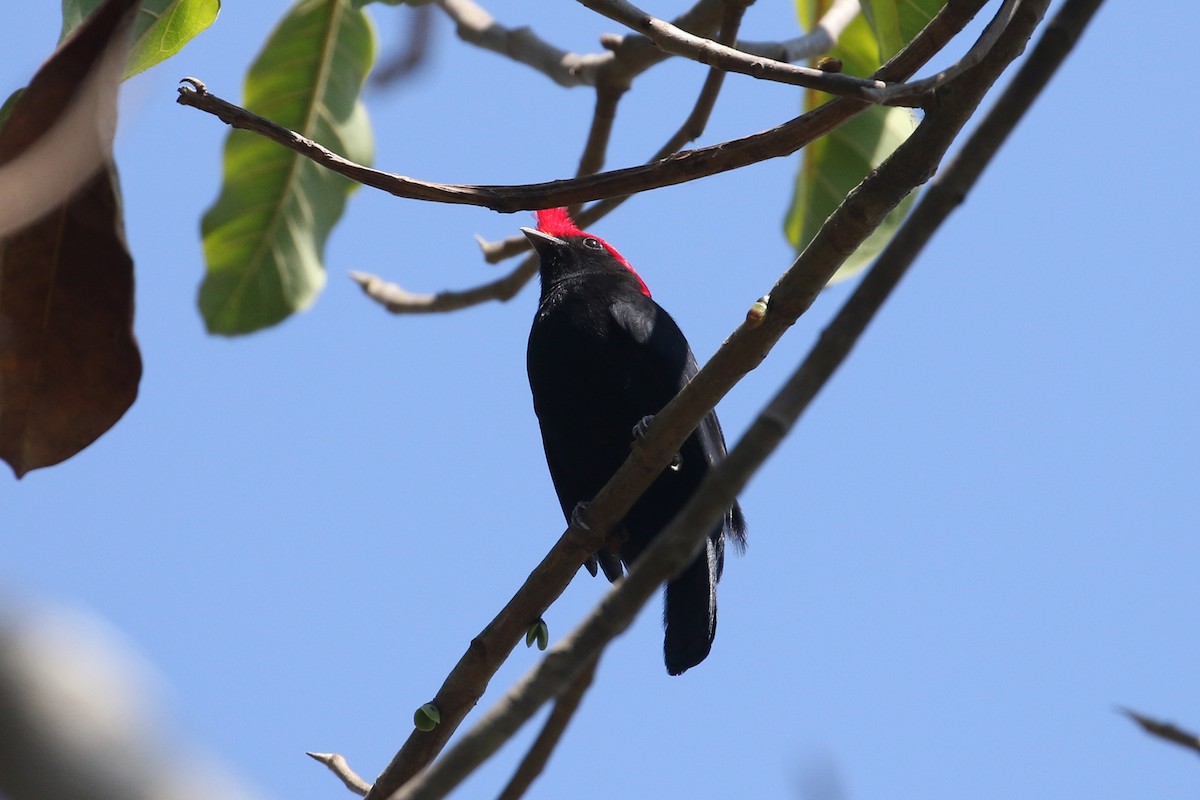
x=161, y=29
x=836, y=163
x=265, y=235
x=896, y=23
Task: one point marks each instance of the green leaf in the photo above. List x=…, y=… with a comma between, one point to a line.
x=160, y=31
x=837, y=163
x=884, y=19
x=833, y=165
x=265, y=235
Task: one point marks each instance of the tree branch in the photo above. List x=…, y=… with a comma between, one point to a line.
x=922, y=91
x=476, y=26
x=401, y=301
x=747, y=347
x=1164, y=730
x=564, y=709
x=397, y=300
x=595, y=149
x=691, y=129
x=629, y=55
x=821, y=39
x=854, y=219
x=677, y=41
x=339, y=766
x=688, y=166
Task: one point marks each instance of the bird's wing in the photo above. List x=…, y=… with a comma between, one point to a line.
x=662, y=347
x=670, y=363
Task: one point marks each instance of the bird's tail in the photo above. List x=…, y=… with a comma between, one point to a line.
x=690, y=611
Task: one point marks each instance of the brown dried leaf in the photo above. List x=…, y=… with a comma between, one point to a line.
x=69, y=365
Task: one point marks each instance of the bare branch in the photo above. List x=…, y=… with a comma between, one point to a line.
x=595, y=150
x=338, y=766
x=412, y=54
x=820, y=39
x=679, y=42
x=467, y=681
x=691, y=129
x=745, y=349
x=400, y=301
x=671, y=549
x=688, y=166
x=691, y=165
x=1164, y=730
x=477, y=26
x=627, y=56
x=539, y=753
x=902, y=94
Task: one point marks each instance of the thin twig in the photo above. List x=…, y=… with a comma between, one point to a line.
x=675, y=40
x=401, y=301
x=848, y=227
x=676, y=544
x=539, y=753
x=1164, y=730
x=412, y=54
x=901, y=94
x=687, y=166
x=690, y=165
x=595, y=149
x=821, y=39
x=691, y=129
x=465, y=684
x=628, y=55
x=476, y=26
x=339, y=766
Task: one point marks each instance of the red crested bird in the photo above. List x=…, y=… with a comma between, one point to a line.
x=603, y=358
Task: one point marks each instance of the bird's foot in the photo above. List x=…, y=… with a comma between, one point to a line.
x=577, y=520
x=614, y=541
x=639, y=432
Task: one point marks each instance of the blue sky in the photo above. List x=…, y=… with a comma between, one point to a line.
x=980, y=538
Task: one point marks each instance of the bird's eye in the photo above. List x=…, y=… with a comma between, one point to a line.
x=594, y=244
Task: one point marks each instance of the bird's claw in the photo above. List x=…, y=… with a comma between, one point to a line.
x=639, y=432
x=577, y=520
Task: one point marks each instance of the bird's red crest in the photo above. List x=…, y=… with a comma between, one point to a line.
x=557, y=222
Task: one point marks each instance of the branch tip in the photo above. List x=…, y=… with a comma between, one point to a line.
x=339, y=767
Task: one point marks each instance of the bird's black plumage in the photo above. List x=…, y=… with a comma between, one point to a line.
x=602, y=356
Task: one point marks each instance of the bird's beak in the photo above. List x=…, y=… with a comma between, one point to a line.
x=542, y=242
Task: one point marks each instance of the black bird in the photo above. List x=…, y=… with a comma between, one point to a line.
x=603, y=357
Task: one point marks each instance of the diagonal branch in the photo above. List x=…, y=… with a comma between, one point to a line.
x=1166, y=731
x=627, y=56
x=677, y=41
x=535, y=760
x=400, y=301
x=745, y=349
x=949, y=21
x=821, y=39
x=900, y=94
x=691, y=130
x=675, y=545
x=690, y=165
